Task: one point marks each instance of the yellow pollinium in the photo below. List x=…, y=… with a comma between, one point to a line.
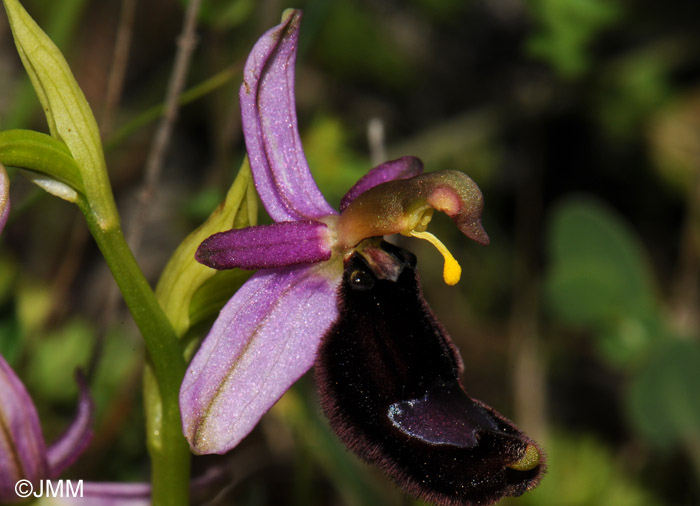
x=530, y=460
x=451, y=271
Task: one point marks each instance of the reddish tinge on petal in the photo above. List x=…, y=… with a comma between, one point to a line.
x=62, y=453
x=22, y=450
x=268, y=113
x=4, y=197
x=264, y=339
x=401, y=168
x=267, y=246
x=406, y=206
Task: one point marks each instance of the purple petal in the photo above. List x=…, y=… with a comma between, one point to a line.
x=22, y=450
x=281, y=174
x=4, y=197
x=401, y=168
x=73, y=442
x=267, y=246
x=105, y=494
x=114, y=494
x=264, y=339
x=202, y=490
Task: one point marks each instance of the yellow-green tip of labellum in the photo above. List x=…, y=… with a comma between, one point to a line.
x=529, y=460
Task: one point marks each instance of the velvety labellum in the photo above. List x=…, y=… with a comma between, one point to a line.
x=389, y=381
x=443, y=416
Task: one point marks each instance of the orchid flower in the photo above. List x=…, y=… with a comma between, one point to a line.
x=24, y=455
x=23, y=452
x=267, y=335
x=330, y=292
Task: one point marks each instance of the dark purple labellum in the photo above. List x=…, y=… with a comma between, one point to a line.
x=389, y=382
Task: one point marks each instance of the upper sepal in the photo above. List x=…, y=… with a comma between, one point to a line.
x=268, y=114
x=389, y=382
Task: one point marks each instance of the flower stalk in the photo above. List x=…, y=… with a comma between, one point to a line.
x=170, y=456
x=74, y=133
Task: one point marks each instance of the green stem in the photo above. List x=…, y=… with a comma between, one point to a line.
x=170, y=456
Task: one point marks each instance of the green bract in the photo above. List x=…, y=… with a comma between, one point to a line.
x=47, y=159
x=68, y=114
x=179, y=285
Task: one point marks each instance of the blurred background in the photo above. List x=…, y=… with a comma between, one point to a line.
x=579, y=120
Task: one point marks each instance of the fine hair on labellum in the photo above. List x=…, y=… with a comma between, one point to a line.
x=389, y=381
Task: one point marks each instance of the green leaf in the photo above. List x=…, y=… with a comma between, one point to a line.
x=662, y=400
x=68, y=114
x=61, y=19
x=43, y=156
x=183, y=276
x=599, y=278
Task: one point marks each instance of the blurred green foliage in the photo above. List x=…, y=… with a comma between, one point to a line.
x=599, y=278
x=663, y=395
x=352, y=43
x=674, y=145
x=225, y=14
x=582, y=472
x=333, y=163
x=566, y=29
x=634, y=88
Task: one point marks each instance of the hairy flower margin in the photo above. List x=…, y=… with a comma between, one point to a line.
x=268, y=333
